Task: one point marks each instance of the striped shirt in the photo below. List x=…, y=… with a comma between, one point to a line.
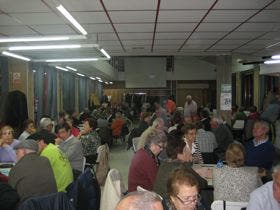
x=206, y=141
x=257, y=143
x=196, y=154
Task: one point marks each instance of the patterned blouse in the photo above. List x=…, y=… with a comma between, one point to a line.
x=90, y=143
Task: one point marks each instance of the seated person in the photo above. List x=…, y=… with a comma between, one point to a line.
x=7, y=144
x=140, y=200
x=179, y=157
x=32, y=175
x=60, y=164
x=234, y=181
x=74, y=131
x=90, y=140
x=46, y=124
x=71, y=147
x=144, y=164
x=117, y=125
x=260, y=151
x=28, y=129
x=8, y=197
x=267, y=196
x=102, y=162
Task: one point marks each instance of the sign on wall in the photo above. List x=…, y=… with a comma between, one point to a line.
x=16, y=78
x=226, y=97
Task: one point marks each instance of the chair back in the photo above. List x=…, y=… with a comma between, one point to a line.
x=228, y=205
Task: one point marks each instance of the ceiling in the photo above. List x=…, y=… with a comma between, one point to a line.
x=149, y=27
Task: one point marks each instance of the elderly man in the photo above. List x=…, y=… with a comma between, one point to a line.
x=144, y=164
x=267, y=196
x=46, y=124
x=190, y=108
x=139, y=201
x=260, y=152
x=32, y=175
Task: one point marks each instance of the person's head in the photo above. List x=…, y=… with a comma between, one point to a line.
x=7, y=134
x=276, y=182
x=69, y=121
x=118, y=115
x=253, y=109
x=64, y=131
x=144, y=200
x=215, y=122
x=46, y=124
x=28, y=126
x=43, y=139
x=146, y=117
x=188, y=120
x=189, y=131
x=260, y=130
x=156, y=141
x=157, y=105
x=89, y=125
x=177, y=118
x=158, y=123
x=182, y=189
x=188, y=98
x=25, y=147
x=176, y=149
x=235, y=155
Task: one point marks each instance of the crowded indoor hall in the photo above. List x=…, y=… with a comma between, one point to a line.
x=139, y=104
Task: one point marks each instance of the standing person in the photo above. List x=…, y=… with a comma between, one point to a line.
x=7, y=144
x=32, y=175
x=190, y=108
x=60, y=164
x=29, y=129
x=144, y=164
x=71, y=147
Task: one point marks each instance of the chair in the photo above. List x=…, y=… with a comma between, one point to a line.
x=113, y=190
x=84, y=163
x=135, y=141
x=228, y=205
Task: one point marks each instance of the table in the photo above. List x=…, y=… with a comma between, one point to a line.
x=205, y=171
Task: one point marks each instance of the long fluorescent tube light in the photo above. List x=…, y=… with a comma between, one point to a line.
x=106, y=83
x=92, y=78
x=61, y=68
x=44, y=47
x=275, y=57
x=82, y=75
x=272, y=62
x=72, y=60
x=110, y=83
x=105, y=53
x=98, y=78
x=73, y=69
x=16, y=56
x=71, y=19
x=35, y=39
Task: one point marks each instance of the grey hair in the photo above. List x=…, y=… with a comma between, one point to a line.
x=263, y=124
x=156, y=136
x=218, y=120
x=142, y=200
x=276, y=169
x=157, y=122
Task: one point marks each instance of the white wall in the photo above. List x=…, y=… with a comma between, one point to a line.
x=270, y=69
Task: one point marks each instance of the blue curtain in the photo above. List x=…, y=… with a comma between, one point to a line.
x=51, y=93
x=83, y=96
x=68, y=91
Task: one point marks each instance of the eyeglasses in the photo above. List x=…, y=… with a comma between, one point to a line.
x=160, y=146
x=189, y=199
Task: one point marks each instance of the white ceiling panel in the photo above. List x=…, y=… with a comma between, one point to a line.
x=134, y=27
x=275, y=5
x=171, y=35
x=141, y=47
x=130, y=4
x=196, y=47
x=12, y=6
x=107, y=36
x=243, y=35
x=168, y=42
x=90, y=17
x=216, y=26
x=38, y=18
x=223, y=47
x=16, y=30
x=133, y=16
x=241, y=4
x=98, y=28
x=233, y=42
x=6, y=20
x=186, y=4
x=167, y=47
x=109, y=43
x=137, y=42
x=259, y=27
x=113, y=47
x=200, y=42
x=250, y=46
x=54, y=29
x=82, y=5
x=181, y=15
x=229, y=15
x=136, y=35
x=267, y=16
x=207, y=35
x=173, y=27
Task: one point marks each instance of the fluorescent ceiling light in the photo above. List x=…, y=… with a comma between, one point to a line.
x=72, y=59
x=61, y=68
x=98, y=78
x=71, y=19
x=44, y=47
x=35, y=39
x=275, y=57
x=106, y=83
x=16, y=56
x=272, y=62
x=105, y=53
x=73, y=69
x=82, y=75
x=92, y=78
x=110, y=83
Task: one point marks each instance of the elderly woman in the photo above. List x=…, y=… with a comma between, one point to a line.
x=179, y=157
x=144, y=164
x=182, y=189
x=234, y=181
x=7, y=143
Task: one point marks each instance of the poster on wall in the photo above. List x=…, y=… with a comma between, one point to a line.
x=16, y=78
x=226, y=97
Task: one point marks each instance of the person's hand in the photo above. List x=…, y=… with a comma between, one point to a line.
x=58, y=141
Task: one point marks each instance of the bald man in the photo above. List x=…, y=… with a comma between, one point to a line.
x=140, y=201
